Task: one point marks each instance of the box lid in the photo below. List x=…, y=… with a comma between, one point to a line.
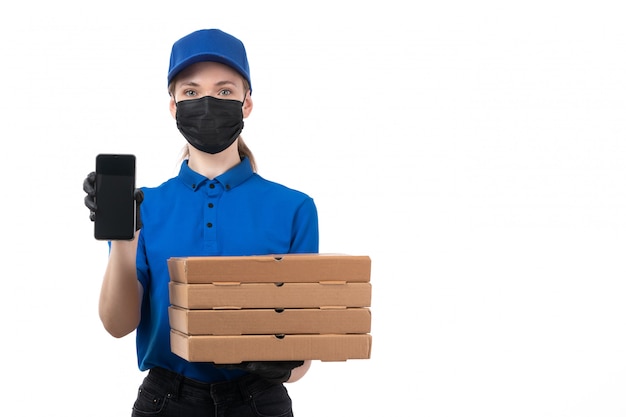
x=236, y=349
x=289, y=295
x=270, y=268
x=270, y=321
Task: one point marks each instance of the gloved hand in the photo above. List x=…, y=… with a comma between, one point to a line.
x=275, y=371
x=89, y=186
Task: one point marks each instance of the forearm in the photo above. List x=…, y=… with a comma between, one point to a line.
x=299, y=372
x=120, y=295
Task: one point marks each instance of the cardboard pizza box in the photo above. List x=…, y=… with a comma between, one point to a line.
x=270, y=268
x=270, y=321
x=236, y=349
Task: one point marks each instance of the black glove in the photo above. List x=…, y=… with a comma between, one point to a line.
x=138, y=201
x=89, y=186
x=275, y=371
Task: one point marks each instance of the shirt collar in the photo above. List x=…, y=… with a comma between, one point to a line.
x=230, y=179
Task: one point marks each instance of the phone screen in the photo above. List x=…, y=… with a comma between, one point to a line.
x=115, y=200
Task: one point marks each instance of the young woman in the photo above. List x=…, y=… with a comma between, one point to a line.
x=216, y=206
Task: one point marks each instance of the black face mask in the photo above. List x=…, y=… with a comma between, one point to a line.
x=210, y=124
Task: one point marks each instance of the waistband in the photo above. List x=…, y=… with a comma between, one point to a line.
x=243, y=387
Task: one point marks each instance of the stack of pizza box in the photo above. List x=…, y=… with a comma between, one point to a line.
x=229, y=309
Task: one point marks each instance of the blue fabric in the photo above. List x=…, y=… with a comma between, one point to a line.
x=237, y=213
x=209, y=45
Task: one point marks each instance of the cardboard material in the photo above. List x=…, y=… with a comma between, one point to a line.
x=235, y=349
x=270, y=268
x=271, y=307
x=289, y=295
x=269, y=321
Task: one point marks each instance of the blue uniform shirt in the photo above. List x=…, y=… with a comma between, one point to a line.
x=237, y=213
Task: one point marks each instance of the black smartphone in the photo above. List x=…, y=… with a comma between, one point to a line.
x=115, y=197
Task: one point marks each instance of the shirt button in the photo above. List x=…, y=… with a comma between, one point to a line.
x=212, y=186
x=210, y=205
x=209, y=225
x=228, y=186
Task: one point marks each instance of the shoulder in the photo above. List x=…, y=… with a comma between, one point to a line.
x=164, y=194
x=277, y=189
x=170, y=184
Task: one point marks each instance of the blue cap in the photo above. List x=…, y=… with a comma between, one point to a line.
x=208, y=45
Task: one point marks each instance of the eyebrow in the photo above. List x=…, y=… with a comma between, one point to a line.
x=218, y=84
x=225, y=82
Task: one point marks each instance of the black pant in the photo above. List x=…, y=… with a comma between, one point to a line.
x=168, y=394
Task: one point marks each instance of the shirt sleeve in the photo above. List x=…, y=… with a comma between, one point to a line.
x=305, y=238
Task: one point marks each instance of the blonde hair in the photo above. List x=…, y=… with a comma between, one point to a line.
x=242, y=148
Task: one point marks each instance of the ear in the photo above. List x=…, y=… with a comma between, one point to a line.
x=247, y=105
x=173, y=107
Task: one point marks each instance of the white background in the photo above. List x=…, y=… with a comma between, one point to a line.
x=473, y=149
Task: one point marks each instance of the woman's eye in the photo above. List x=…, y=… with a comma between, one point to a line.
x=224, y=92
x=190, y=93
